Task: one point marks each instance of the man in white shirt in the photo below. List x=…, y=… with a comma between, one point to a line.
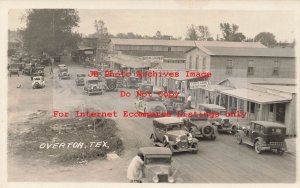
x=189, y=101
x=135, y=169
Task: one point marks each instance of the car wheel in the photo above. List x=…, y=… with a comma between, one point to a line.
x=233, y=130
x=280, y=151
x=154, y=139
x=258, y=147
x=239, y=139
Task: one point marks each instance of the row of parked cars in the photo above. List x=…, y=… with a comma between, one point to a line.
x=171, y=134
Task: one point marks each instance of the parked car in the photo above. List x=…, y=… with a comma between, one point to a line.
x=64, y=76
x=13, y=69
x=38, y=71
x=263, y=135
x=144, y=87
x=199, y=126
x=150, y=104
x=38, y=82
x=93, y=85
x=131, y=82
x=222, y=123
x=80, y=79
x=27, y=69
x=175, y=104
x=111, y=84
x=157, y=166
x=170, y=132
x=62, y=68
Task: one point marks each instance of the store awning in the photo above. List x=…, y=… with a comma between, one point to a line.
x=256, y=96
x=129, y=61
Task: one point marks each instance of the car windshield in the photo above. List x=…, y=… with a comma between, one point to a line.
x=93, y=81
x=275, y=131
x=156, y=160
x=37, y=79
x=14, y=65
x=170, y=127
x=80, y=75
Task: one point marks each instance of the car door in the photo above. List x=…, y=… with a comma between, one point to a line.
x=159, y=131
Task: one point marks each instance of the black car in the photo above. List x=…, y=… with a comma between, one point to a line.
x=263, y=135
x=111, y=84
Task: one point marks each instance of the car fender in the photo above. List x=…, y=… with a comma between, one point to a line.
x=166, y=138
x=258, y=139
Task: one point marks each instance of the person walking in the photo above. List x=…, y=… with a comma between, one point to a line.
x=51, y=66
x=189, y=101
x=135, y=171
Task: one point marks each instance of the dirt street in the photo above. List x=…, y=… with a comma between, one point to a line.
x=220, y=161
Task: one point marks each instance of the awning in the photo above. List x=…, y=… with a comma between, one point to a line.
x=256, y=96
x=129, y=61
x=215, y=88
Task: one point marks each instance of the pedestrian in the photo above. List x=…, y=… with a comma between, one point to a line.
x=135, y=171
x=51, y=67
x=189, y=101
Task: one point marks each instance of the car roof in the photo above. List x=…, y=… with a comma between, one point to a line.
x=168, y=120
x=81, y=74
x=38, y=77
x=155, y=151
x=91, y=78
x=61, y=65
x=213, y=106
x=269, y=124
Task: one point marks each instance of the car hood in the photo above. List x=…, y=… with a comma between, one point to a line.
x=177, y=133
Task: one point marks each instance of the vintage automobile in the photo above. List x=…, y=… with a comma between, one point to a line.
x=131, y=82
x=170, y=132
x=64, y=76
x=80, y=79
x=111, y=84
x=157, y=166
x=263, y=135
x=144, y=87
x=38, y=82
x=27, y=69
x=93, y=85
x=199, y=126
x=62, y=68
x=13, y=69
x=38, y=71
x=223, y=123
x=150, y=104
x=175, y=104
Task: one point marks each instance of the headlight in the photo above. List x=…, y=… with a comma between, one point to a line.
x=170, y=179
x=190, y=139
x=178, y=139
x=155, y=179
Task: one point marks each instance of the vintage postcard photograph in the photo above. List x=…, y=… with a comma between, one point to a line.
x=177, y=96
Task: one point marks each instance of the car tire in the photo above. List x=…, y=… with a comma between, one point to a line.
x=154, y=138
x=169, y=146
x=239, y=139
x=233, y=130
x=257, y=147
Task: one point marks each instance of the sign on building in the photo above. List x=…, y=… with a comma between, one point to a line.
x=199, y=84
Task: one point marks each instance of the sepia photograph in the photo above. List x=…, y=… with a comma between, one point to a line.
x=145, y=95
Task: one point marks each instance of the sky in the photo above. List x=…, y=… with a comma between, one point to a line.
x=175, y=22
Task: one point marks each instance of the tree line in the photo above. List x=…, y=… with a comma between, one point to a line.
x=52, y=30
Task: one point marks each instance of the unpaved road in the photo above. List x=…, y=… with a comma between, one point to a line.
x=220, y=161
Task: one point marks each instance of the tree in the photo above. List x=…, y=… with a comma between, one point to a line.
x=191, y=33
x=101, y=30
x=230, y=32
x=50, y=30
x=266, y=38
x=204, y=33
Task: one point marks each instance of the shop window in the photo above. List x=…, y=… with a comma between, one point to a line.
x=229, y=67
x=271, y=107
x=190, y=62
x=280, y=112
x=250, y=68
x=252, y=107
x=276, y=68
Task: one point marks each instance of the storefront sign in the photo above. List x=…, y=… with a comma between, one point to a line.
x=199, y=84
